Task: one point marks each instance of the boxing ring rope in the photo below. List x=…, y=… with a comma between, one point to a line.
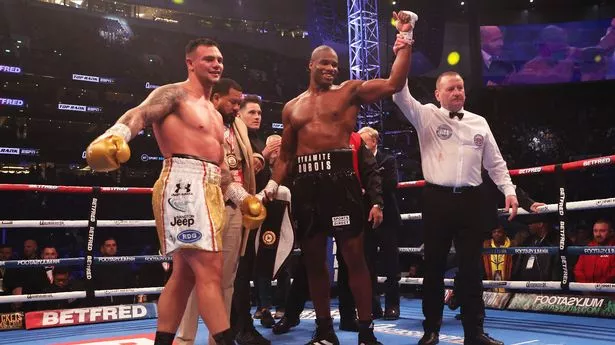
x=92, y=223
x=550, y=208
x=545, y=169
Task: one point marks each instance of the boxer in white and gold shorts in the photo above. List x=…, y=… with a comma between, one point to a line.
x=188, y=205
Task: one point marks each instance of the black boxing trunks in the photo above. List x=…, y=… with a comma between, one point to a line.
x=327, y=195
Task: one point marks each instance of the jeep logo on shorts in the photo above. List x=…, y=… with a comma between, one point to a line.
x=182, y=221
x=189, y=236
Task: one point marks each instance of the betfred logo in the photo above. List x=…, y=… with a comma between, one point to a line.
x=56, y=318
x=13, y=102
x=10, y=69
x=530, y=170
x=597, y=161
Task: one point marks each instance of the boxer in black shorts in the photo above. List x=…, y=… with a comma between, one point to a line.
x=317, y=125
x=327, y=195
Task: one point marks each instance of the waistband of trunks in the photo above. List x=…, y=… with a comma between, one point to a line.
x=193, y=166
x=327, y=162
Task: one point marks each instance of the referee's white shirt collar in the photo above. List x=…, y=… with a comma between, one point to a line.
x=447, y=112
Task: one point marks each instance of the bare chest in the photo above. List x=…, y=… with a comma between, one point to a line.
x=330, y=110
x=201, y=116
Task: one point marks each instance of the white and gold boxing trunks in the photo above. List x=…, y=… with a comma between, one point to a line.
x=188, y=205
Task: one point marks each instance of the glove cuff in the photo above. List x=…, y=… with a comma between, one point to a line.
x=120, y=130
x=271, y=186
x=235, y=193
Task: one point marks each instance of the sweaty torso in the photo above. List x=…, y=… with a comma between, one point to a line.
x=323, y=121
x=194, y=128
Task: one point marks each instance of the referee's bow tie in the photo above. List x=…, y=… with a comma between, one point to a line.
x=452, y=114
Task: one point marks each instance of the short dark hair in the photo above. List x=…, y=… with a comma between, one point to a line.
x=604, y=221
x=446, y=74
x=49, y=245
x=224, y=86
x=195, y=43
x=108, y=238
x=250, y=99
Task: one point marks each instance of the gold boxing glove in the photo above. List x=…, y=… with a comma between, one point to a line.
x=253, y=212
x=108, y=151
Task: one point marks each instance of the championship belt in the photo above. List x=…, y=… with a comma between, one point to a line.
x=274, y=240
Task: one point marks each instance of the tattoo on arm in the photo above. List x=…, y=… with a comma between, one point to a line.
x=160, y=103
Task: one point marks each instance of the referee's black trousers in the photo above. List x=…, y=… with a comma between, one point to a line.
x=448, y=216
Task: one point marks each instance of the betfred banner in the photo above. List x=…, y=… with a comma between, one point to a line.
x=69, y=317
x=563, y=304
x=11, y=321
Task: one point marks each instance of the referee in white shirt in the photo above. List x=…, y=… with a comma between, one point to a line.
x=454, y=143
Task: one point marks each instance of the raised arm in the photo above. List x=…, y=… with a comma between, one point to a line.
x=109, y=150
x=373, y=90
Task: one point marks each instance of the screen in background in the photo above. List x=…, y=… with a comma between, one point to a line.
x=548, y=53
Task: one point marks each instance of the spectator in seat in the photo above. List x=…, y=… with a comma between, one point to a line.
x=538, y=267
x=497, y=266
x=598, y=268
x=61, y=283
x=112, y=276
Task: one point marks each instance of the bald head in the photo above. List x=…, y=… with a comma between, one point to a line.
x=487, y=32
x=491, y=40
x=323, y=67
x=445, y=75
x=320, y=50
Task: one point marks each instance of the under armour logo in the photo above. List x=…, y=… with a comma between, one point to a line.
x=178, y=187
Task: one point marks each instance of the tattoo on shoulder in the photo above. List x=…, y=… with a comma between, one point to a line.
x=162, y=102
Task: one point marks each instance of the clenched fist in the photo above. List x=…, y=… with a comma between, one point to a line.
x=253, y=212
x=107, y=152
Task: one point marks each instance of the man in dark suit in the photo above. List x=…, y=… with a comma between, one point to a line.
x=384, y=236
x=495, y=69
